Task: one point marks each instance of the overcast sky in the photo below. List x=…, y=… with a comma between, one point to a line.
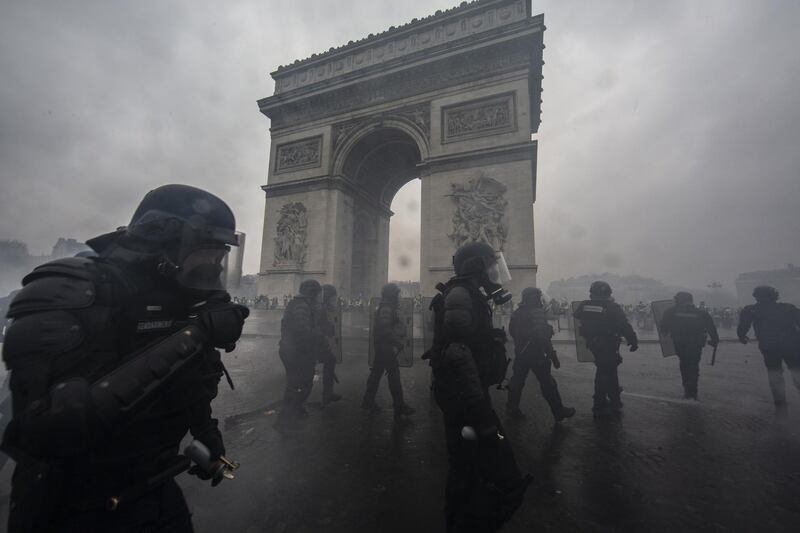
x=669, y=147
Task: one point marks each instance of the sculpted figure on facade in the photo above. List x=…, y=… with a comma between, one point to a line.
x=290, y=242
x=480, y=212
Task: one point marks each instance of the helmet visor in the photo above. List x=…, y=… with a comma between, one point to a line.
x=202, y=268
x=498, y=271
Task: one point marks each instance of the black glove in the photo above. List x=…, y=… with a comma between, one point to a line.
x=222, y=321
x=195, y=470
x=554, y=359
x=634, y=347
x=744, y=339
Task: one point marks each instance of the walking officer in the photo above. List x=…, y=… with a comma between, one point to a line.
x=112, y=362
x=484, y=484
x=688, y=326
x=389, y=339
x=301, y=343
x=776, y=325
x=533, y=351
x=603, y=324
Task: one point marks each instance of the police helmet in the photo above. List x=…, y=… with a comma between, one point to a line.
x=532, y=296
x=683, y=298
x=600, y=290
x=390, y=291
x=174, y=212
x=328, y=292
x=473, y=258
x=310, y=288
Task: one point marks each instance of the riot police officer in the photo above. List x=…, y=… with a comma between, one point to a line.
x=301, y=343
x=603, y=324
x=533, y=351
x=688, y=326
x=327, y=324
x=776, y=325
x=389, y=340
x=484, y=484
x=112, y=361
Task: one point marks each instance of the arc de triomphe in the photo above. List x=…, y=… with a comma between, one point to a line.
x=452, y=99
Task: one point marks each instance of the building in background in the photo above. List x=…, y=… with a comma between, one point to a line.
x=786, y=280
x=632, y=289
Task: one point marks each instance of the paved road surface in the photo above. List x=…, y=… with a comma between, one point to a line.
x=724, y=463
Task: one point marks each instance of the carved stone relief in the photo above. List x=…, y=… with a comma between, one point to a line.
x=290, y=242
x=480, y=212
x=299, y=154
x=487, y=116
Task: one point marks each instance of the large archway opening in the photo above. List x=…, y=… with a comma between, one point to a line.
x=378, y=164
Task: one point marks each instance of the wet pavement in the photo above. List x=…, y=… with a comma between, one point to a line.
x=725, y=463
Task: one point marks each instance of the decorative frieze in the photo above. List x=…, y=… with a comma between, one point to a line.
x=447, y=30
x=480, y=212
x=397, y=85
x=297, y=155
x=290, y=240
x=487, y=116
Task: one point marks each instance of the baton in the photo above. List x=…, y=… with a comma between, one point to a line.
x=714, y=355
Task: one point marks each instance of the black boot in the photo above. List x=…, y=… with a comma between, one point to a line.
x=564, y=412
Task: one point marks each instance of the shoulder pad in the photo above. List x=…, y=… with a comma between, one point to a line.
x=458, y=297
x=41, y=335
x=51, y=292
x=74, y=267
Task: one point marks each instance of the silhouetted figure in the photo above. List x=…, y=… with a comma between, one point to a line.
x=389, y=340
x=776, y=325
x=112, y=362
x=484, y=484
x=534, y=352
x=603, y=325
x=688, y=326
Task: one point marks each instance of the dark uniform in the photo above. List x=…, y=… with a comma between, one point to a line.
x=301, y=343
x=112, y=361
x=688, y=326
x=603, y=325
x=776, y=325
x=327, y=325
x=484, y=484
x=389, y=339
x=533, y=351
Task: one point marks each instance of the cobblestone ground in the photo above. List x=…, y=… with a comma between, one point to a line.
x=724, y=463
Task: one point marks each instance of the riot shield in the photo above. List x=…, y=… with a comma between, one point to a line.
x=405, y=330
x=582, y=350
x=428, y=323
x=659, y=307
x=405, y=313
x=335, y=317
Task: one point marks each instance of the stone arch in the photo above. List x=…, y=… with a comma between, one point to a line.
x=350, y=126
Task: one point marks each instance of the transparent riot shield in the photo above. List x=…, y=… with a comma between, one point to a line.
x=405, y=312
x=581, y=349
x=428, y=323
x=335, y=316
x=373, y=310
x=659, y=307
x=404, y=330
